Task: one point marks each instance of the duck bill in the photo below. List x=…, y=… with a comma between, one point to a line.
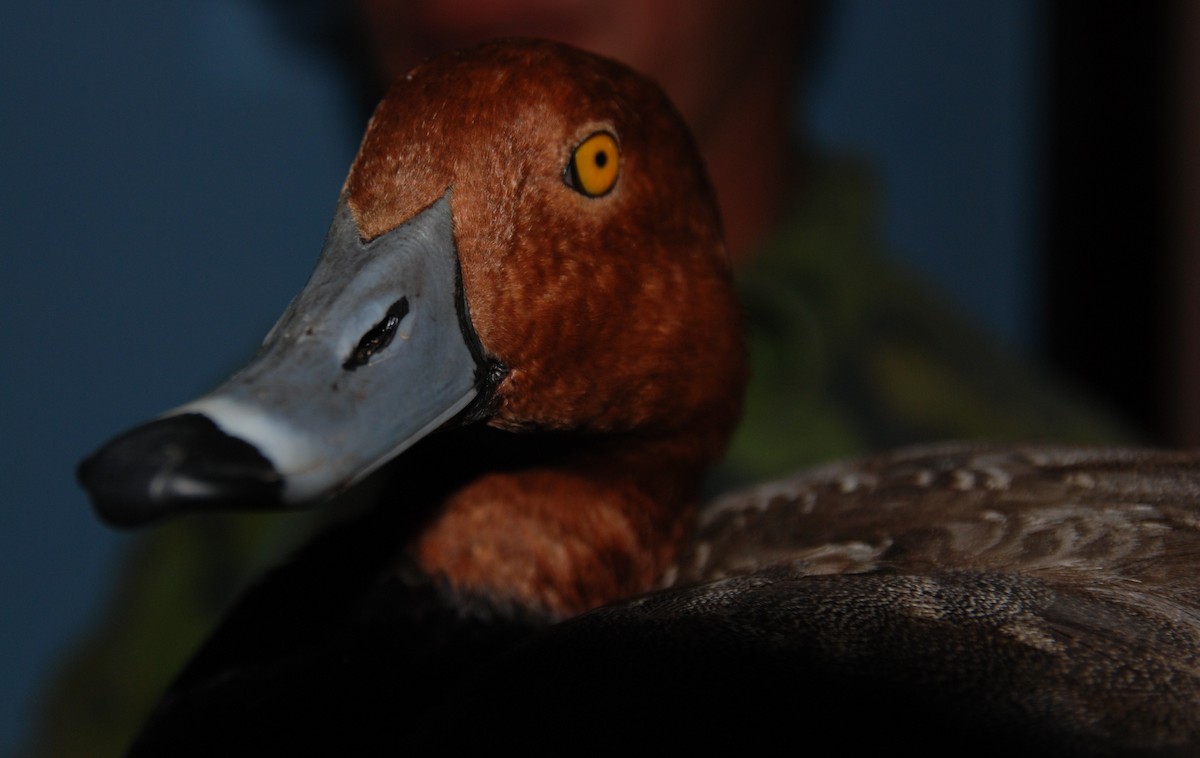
x=374, y=353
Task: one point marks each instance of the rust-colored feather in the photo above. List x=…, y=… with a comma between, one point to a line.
x=961, y=600
x=612, y=315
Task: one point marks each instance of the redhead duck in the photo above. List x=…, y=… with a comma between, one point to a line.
x=523, y=321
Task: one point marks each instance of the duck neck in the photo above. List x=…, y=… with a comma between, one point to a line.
x=566, y=523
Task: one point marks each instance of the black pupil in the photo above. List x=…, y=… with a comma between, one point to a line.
x=601, y=159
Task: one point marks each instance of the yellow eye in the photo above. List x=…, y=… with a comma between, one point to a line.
x=594, y=165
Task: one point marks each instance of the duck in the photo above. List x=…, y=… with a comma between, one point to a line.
x=519, y=355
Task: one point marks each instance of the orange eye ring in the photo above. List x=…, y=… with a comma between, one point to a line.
x=594, y=165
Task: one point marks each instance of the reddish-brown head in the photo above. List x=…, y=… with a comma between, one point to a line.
x=565, y=196
x=611, y=313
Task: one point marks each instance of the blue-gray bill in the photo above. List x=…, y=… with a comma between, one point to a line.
x=374, y=353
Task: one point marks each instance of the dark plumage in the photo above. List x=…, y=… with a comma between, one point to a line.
x=957, y=600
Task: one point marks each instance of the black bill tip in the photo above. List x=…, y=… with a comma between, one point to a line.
x=175, y=465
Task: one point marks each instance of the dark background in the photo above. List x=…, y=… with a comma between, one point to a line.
x=169, y=170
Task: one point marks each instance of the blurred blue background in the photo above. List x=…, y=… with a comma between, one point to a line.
x=169, y=170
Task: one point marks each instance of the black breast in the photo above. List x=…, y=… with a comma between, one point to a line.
x=963, y=601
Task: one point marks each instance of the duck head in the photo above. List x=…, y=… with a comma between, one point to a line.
x=526, y=239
